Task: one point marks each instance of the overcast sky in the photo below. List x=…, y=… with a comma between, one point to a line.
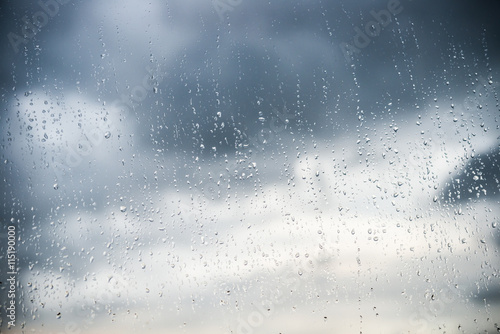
x=184, y=166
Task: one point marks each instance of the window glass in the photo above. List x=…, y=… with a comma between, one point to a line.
x=237, y=166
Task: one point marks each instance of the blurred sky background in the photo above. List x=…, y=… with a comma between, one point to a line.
x=194, y=166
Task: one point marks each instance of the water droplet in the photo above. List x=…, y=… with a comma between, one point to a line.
x=56, y=186
x=123, y=208
x=107, y=135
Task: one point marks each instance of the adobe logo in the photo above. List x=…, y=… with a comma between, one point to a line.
x=372, y=29
x=38, y=20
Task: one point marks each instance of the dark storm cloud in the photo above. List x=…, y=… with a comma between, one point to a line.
x=479, y=179
x=269, y=51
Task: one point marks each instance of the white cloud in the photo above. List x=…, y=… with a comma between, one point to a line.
x=169, y=246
